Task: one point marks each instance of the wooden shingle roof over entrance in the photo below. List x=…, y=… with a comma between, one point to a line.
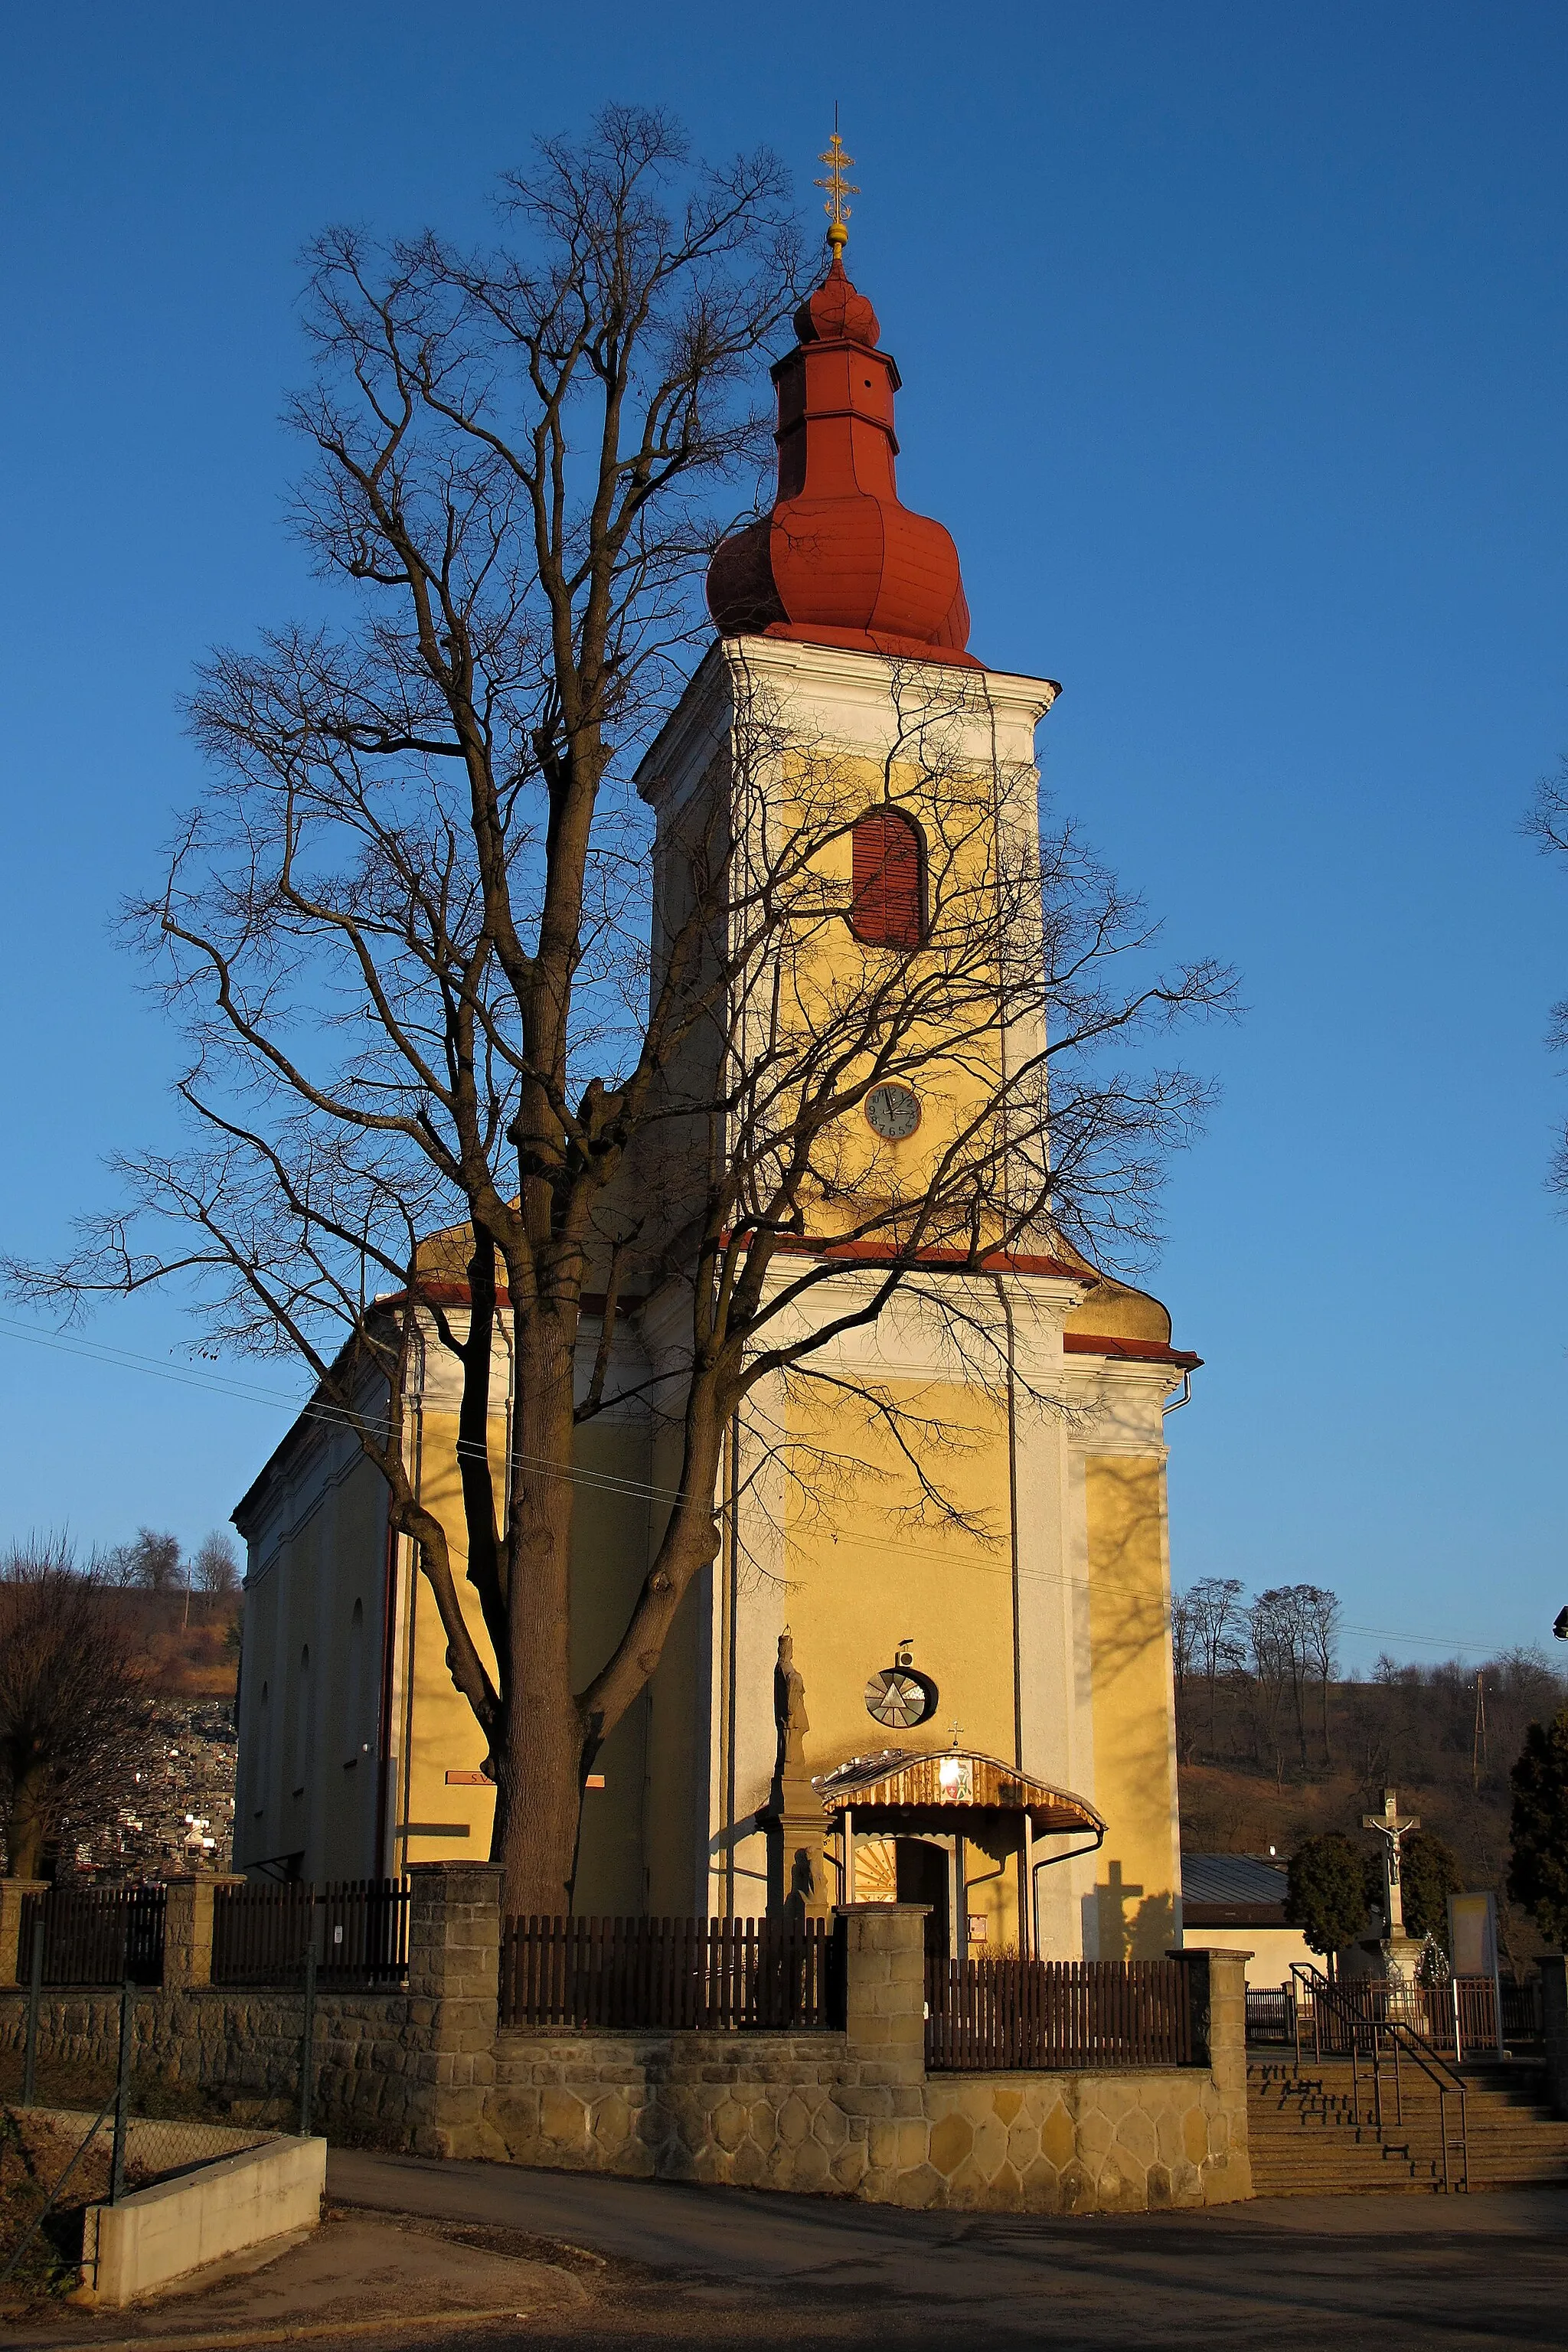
x=899, y=1781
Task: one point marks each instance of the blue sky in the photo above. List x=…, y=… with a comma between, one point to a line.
x=1235, y=347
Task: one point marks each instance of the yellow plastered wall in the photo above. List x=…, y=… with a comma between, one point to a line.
x=956, y=814
x=1136, y=1879
x=860, y=1578
x=609, y=1559
x=441, y=1735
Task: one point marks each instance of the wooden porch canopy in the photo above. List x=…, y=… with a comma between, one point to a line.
x=925, y=1792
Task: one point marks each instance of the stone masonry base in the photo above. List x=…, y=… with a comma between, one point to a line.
x=852, y=2114
x=797, y=2111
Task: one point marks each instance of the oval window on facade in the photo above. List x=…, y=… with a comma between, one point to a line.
x=889, y=881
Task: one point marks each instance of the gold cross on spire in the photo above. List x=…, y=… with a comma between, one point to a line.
x=838, y=188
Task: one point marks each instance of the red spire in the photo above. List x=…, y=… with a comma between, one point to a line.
x=836, y=313
x=839, y=562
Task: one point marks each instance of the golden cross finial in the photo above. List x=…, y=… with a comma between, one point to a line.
x=838, y=188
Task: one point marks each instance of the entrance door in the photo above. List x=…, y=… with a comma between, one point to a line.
x=922, y=1870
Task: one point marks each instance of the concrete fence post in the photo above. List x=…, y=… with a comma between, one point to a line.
x=884, y=1989
x=1554, y=2024
x=14, y=1893
x=454, y=1988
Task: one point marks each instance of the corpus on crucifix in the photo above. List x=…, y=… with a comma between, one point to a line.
x=1392, y=1827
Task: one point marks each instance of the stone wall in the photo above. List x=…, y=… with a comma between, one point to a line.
x=852, y=2114
x=409, y=2069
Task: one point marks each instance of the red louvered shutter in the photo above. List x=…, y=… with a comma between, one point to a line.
x=888, y=881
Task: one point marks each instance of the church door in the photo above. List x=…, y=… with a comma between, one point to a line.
x=923, y=1878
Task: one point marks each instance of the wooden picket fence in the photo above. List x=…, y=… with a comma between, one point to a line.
x=261, y=1932
x=1009, y=2012
x=96, y=1934
x=672, y=1975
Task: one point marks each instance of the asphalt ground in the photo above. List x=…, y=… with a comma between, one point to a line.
x=729, y=2267
x=472, y=2257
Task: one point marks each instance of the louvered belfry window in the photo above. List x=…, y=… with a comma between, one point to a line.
x=887, y=905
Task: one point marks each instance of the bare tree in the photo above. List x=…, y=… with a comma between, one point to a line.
x=407, y=930
x=1182, y=1647
x=68, y=1690
x=1320, y=1625
x=216, y=1567
x=1213, y=1607
x=154, y=1562
x=1273, y=1664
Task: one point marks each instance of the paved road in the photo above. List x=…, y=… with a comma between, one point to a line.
x=723, y=2266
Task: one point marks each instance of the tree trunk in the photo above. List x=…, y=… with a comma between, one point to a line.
x=540, y=1752
x=26, y=1829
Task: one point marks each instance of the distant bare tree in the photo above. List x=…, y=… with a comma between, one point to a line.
x=216, y=1567
x=1292, y=1630
x=1183, y=1652
x=68, y=1692
x=1273, y=1666
x=154, y=1562
x=1320, y=1624
x=1214, y=1614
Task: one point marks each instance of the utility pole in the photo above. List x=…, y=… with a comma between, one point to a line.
x=1479, y=1743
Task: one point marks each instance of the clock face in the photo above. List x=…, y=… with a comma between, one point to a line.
x=899, y=1696
x=894, y=1112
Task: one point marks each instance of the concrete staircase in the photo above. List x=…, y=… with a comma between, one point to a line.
x=1305, y=2140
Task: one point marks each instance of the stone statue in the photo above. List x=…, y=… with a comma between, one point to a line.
x=796, y=1878
x=789, y=1711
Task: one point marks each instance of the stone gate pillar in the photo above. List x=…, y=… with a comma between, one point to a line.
x=454, y=1988
x=1555, y=2023
x=884, y=1984
x=188, y=1929
x=1218, y=1982
x=15, y=1963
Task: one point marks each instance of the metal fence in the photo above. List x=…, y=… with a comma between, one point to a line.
x=75, y=2134
x=672, y=1975
x=97, y=1935
x=1270, y=2013
x=1460, y=2017
x=359, y=1927
x=1008, y=2013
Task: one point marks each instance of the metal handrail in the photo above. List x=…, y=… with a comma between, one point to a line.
x=1369, y=2034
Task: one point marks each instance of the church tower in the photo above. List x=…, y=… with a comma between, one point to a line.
x=969, y=1706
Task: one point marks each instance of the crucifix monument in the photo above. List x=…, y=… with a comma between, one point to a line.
x=1400, y=1951
x=1392, y=1827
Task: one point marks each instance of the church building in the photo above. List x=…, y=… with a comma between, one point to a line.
x=976, y=1713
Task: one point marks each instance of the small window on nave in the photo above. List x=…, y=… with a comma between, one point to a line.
x=889, y=886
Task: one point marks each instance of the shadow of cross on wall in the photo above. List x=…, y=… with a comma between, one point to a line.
x=1110, y=1901
x=1147, y=1934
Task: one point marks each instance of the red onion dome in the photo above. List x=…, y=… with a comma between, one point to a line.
x=840, y=561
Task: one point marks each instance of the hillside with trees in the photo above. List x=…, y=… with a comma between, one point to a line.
x=117, y=1682
x=1276, y=1746
x=182, y=1614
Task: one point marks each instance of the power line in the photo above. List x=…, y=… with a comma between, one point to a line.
x=607, y=1482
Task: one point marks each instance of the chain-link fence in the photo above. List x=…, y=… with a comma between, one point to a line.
x=75, y=2134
